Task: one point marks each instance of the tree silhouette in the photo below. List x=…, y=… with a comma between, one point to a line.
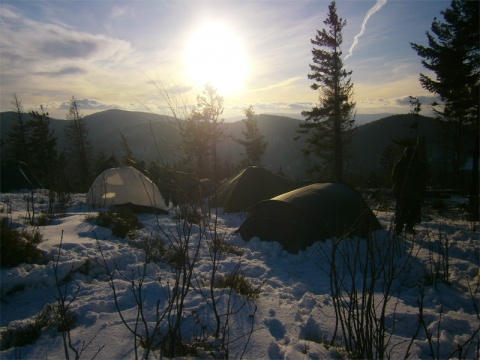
x=201, y=134
x=328, y=124
x=78, y=150
x=18, y=134
x=42, y=143
x=254, y=142
x=453, y=55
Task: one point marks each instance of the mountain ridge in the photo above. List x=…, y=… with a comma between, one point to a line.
x=154, y=137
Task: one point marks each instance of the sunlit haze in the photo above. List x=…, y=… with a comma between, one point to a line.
x=215, y=55
x=106, y=53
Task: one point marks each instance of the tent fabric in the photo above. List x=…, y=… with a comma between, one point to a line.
x=254, y=184
x=17, y=176
x=126, y=186
x=316, y=212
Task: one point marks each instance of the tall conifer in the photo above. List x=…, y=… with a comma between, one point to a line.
x=329, y=123
x=18, y=134
x=43, y=153
x=78, y=149
x=254, y=142
x=453, y=54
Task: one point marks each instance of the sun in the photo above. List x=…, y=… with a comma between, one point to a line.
x=214, y=54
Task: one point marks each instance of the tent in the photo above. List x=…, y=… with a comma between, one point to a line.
x=126, y=186
x=16, y=177
x=242, y=191
x=316, y=212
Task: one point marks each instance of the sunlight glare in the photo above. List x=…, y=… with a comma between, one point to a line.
x=214, y=54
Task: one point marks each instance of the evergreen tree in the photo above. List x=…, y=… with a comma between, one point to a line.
x=254, y=142
x=42, y=148
x=18, y=135
x=78, y=149
x=387, y=160
x=453, y=55
x=328, y=125
x=201, y=134
x=102, y=163
x=128, y=157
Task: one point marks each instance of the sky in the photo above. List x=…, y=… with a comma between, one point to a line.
x=129, y=54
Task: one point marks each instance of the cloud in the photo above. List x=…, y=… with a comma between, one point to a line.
x=301, y=106
x=396, y=105
x=285, y=83
x=88, y=104
x=69, y=48
x=182, y=89
x=69, y=70
x=47, y=47
x=373, y=10
x=277, y=107
x=118, y=12
x=424, y=100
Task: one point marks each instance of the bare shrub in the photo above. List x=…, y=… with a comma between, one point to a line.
x=122, y=221
x=64, y=317
x=438, y=267
x=20, y=246
x=364, y=274
x=23, y=333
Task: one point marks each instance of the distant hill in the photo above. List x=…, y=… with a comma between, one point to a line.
x=370, y=140
x=154, y=137
x=360, y=119
x=150, y=136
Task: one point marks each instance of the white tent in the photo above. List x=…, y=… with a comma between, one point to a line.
x=125, y=185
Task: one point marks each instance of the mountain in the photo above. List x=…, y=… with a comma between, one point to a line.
x=150, y=136
x=154, y=138
x=105, y=129
x=370, y=140
x=360, y=119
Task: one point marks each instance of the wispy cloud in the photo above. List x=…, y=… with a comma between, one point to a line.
x=46, y=47
x=88, y=104
x=36, y=52
x=424, y=100
x=50, y=53
x=282, y=84
x=373, y=10
x=118, y=12
x=65, y=71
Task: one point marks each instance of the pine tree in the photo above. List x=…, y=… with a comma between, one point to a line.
x=102, y=163
x=328, y=125
x=18, y=135
x=254, y=142
x=387, y=160
x=128, y=157
x=78, y=149
x=42, y=148
x=453, y=55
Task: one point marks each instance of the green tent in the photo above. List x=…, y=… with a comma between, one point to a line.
x=316, y=212
x=242, y=191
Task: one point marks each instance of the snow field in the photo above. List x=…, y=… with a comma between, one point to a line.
x=294, y=316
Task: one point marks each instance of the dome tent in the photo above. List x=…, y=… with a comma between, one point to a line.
x=316, y=212
x=252, y=185
x=126, y=186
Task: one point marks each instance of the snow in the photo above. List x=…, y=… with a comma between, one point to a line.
x=293, y=316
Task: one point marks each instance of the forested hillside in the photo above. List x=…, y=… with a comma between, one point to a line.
x=155, y=138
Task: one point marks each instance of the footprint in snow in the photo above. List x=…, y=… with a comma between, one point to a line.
x=276, y=328
x=274, y=351
x=311, y=331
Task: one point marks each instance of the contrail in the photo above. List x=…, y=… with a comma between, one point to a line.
x=370, y=12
